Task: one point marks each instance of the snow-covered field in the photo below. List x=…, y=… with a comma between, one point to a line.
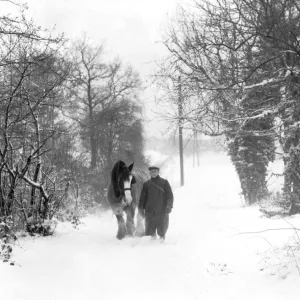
x=214, y=250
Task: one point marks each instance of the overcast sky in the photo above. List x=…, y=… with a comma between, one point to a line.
x=131, y=29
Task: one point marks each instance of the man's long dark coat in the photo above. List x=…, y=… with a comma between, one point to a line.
x=156, y=196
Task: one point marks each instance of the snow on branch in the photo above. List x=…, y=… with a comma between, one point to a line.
x=36, y=185
x=263, y=83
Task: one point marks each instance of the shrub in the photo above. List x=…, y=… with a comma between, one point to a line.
x=7, y=237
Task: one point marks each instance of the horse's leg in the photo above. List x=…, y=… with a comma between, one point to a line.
x=140, y=227
x=121, y=227
x=130, y=219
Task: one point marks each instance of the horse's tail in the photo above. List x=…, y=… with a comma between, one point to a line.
x=140, y=177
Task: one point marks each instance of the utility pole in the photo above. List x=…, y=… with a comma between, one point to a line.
x=180, y=120
x=198, y=151
x=194, y=145
x=195, y=148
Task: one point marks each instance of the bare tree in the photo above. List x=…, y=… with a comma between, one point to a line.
x=31, y=76
x=97, y=85
x=244, y=57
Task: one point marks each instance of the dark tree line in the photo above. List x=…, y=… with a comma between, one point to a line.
x=66, y=114
x=239, y=62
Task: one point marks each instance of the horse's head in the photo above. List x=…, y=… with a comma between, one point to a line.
x=122, y=180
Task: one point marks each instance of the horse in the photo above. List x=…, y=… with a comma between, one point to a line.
x=123, y=195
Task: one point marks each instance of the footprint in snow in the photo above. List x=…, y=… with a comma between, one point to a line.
x=218, y=269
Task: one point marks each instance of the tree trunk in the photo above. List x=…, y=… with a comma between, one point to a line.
x=93, y=148
x=295, y=204
x=92, y=129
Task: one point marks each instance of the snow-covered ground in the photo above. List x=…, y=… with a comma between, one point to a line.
x=214, y=250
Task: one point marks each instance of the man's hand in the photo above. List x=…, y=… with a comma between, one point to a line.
x=168, y=209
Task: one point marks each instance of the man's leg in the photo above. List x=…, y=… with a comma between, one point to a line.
x=150, y=225
x=163, y=225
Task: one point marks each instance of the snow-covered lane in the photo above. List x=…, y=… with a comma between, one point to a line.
x=204, y=256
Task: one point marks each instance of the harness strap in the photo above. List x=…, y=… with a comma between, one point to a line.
x=158, y=187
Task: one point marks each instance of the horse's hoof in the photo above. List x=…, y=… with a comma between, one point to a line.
x=138, y=234
x=129, y=233
x=120, y=236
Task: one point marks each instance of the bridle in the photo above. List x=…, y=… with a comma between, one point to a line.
x=122, y=190
x=123, y=195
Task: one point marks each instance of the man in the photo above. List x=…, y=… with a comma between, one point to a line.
x=156, y=203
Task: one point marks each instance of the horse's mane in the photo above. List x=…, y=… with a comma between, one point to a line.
x=114, y=177
x=140, y=176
